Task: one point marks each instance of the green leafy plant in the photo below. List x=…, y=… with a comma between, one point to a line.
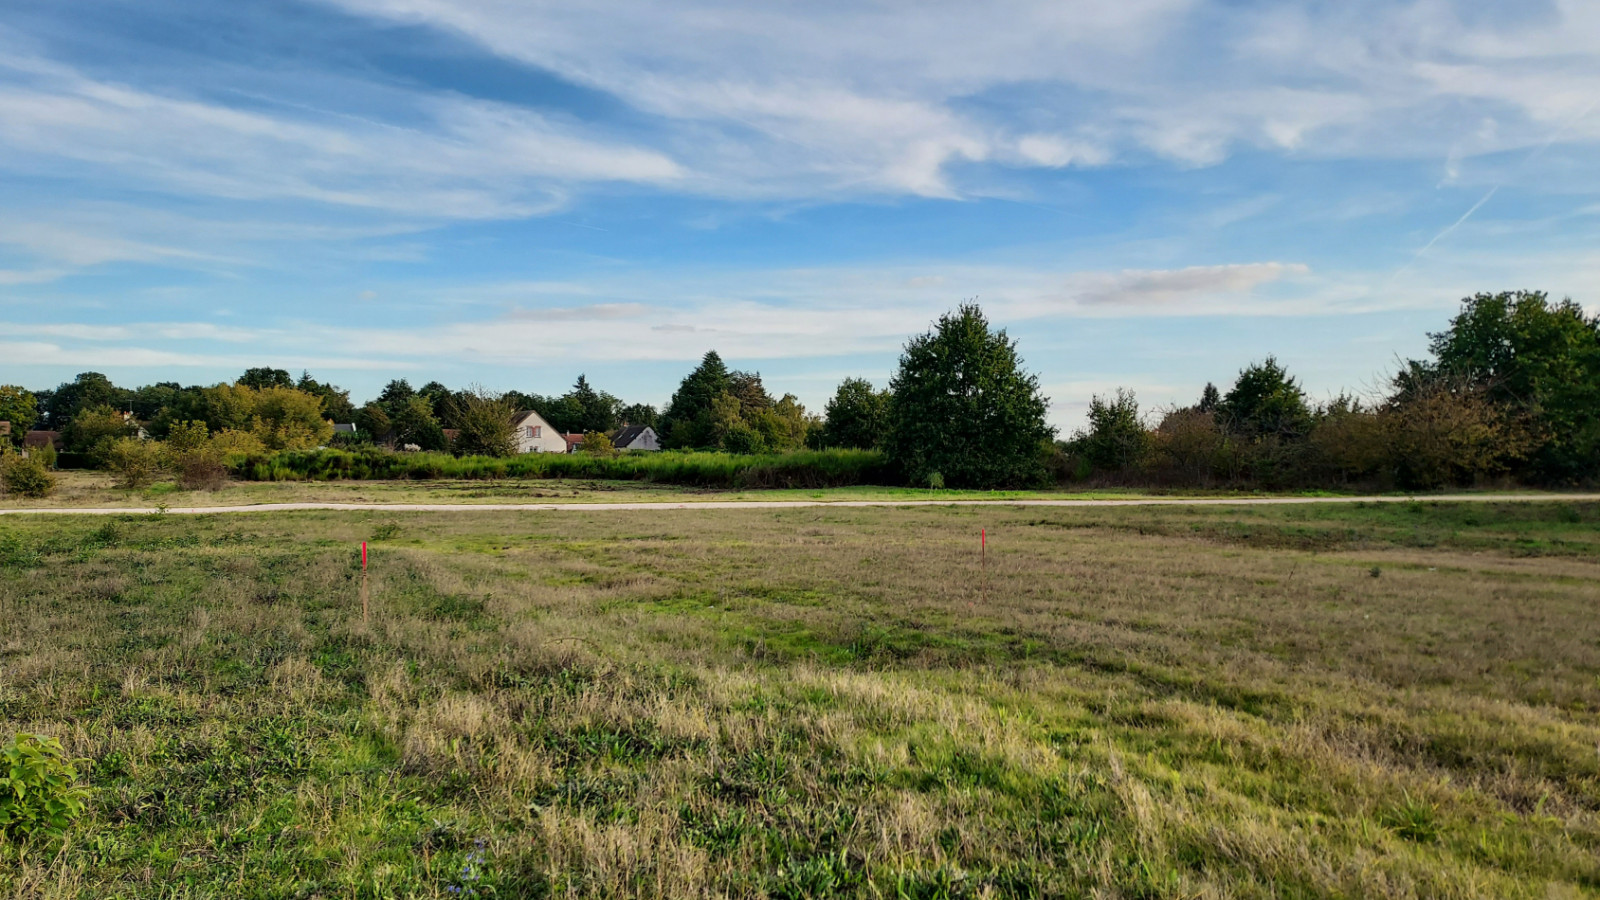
x=135, y=462
x=26, y=476
x=39, y=793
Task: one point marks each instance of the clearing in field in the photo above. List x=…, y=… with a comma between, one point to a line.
x=1396, y=701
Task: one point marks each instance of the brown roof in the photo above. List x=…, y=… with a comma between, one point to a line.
x=39, y=438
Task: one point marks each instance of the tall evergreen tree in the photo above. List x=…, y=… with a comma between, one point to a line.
x=962, y=410
x=1265, y=400
x=687, y=421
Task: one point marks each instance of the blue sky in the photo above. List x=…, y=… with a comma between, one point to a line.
x=1146, y=193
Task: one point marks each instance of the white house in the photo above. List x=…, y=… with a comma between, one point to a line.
x=534, y=434
x=636, y=437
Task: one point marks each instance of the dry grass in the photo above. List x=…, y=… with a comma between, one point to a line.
x=99, y=490
x=1271, y=702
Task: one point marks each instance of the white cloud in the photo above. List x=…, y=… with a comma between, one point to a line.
x=468, y=159
x=876, y=96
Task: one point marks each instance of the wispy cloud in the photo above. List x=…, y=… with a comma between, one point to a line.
x=465, y=159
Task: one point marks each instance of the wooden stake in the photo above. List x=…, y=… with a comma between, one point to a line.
x=364, y=581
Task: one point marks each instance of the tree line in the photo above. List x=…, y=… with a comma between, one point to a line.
x=1511, y=391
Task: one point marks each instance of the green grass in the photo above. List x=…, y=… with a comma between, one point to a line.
x=1127, y=702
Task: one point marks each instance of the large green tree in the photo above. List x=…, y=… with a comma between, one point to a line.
x=638, y=414
x=1538, y=356
x=687, y=420
x=414, y=423
x=857, y=416
x=595, y=410
x=1116, y=439
x=263, y=377
x=93, y=429
x=962, y=408
x=483, y=423
x=89, y=389
x=1265, y=401
x=394, y=395
x=336, y=403
x=19, y=407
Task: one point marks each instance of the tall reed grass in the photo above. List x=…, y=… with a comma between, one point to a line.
x=801, y=469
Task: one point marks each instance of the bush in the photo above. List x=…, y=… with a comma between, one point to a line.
x=46, y=454
x=1188, y=446
x=26, y=476
x=1448, y=431
x=39, y=794
x=201, y=469
x=598, y=443
x=136, y=463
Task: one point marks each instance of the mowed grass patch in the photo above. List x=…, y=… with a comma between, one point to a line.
x=1390, y=701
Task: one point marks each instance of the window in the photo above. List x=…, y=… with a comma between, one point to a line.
x=535, y=431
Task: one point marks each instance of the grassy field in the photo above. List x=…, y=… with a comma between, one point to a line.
x=1284, y=702
x=97, y=489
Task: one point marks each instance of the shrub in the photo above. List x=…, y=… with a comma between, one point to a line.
x=1188, y=445
x=136, y=463
x=200, y=469
x=46, y=454
x=26, y=476
x=598, y=443
x=39, y=793
x=186, y=436
x=1449, y=431
x=230, y=440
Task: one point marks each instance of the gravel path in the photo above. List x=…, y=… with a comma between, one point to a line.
x=787, y=504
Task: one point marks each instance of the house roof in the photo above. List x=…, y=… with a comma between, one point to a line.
x=40, y=438
x=343, y=428
x=628, y=435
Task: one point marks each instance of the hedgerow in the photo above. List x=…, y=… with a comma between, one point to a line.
x=800, y=469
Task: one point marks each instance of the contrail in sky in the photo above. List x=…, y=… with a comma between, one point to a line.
x=1555, y=136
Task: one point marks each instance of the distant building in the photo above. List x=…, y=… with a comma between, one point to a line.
x=636, y=437
x=343, y=429
x=534, y=434
x=38, y=440
x=574, y=442
x=5, y=429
